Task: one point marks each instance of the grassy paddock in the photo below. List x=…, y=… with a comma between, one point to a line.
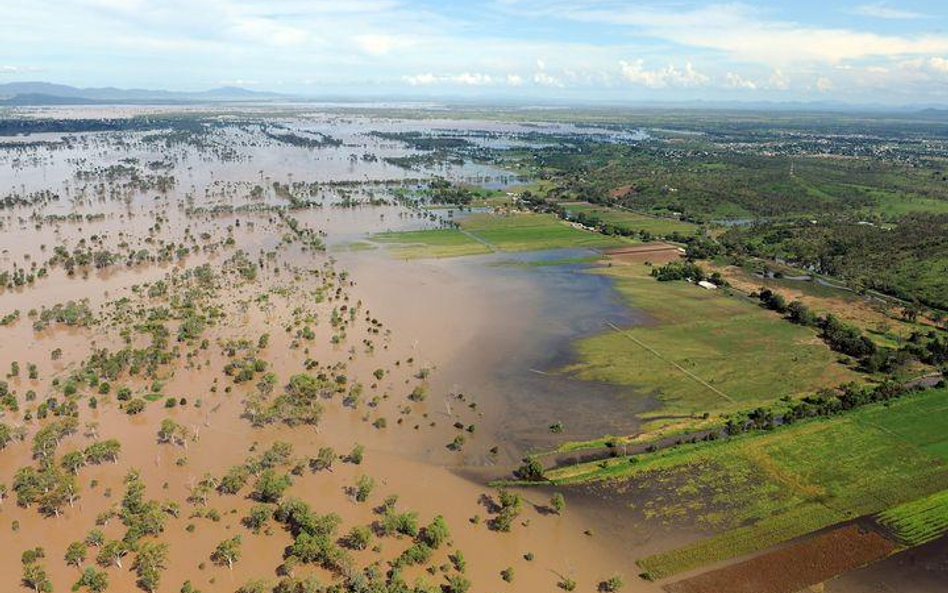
x=483, y=233
x=431, y=243
x=529, y=232
x=750, y=355
x=633, y=221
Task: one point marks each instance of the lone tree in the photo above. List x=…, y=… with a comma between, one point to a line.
x=531, y=470
x=611, y=585
x=227, y=552
x=323, y=460
x=76, y=553
x=359, y=537
x=364, y=486
x=510, y=506
x=435, y=533
x=111, y=553
x=557, y=503
x=35, y=577
x=95, y=538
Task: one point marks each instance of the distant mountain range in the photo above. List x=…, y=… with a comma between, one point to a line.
x=47, y=93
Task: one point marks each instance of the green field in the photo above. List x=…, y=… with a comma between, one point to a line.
x=529, y=232
x=891, y=203
x=747, y=355
x=483, y=233
x=759, y=490
x=920, y=521
x=431, y=243
x=631, y=221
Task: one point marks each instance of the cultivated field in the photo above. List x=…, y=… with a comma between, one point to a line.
x=756, y=491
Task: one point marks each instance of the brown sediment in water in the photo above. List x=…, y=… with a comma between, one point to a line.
x=557, y=542
x=452, y=318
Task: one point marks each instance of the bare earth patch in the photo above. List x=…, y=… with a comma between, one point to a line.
x=794, y=567
x=657, y=253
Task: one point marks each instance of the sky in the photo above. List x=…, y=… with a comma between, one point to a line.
x=591, y=50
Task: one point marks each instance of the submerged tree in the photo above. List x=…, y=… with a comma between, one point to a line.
x=95, y=581
x=35, y=577
x=227, y=552
x=76, y=553
x=270, y=486
x=557, y=503
x=149, y=563
x=111, y=553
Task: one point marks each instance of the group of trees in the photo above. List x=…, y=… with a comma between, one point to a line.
x=838, y=335
x=51, y=485
x=686, y=270
x=34, y=573
x=931, y=348
x=826, y=402
x=299, y=404
x=314, y=536
x=902, y=259
x=94, y=454
x=509, y=505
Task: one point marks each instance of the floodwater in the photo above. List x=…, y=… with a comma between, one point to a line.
x=512, y=326
x=484, y=335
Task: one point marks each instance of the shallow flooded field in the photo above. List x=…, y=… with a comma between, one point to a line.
x=168, y=287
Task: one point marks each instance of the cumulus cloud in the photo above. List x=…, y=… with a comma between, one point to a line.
x=471, y=79
x=931, y=65
x=778, y=80
x=7, y=69
x=462, y=79
x=824, y=84
x=543, y=79
x=938, y=64
x=421, y=79
x=736, y=81
x=376, y=44
x=744, y=32
x=636, y=73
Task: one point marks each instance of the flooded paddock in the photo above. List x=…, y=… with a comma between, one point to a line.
x=156, y=260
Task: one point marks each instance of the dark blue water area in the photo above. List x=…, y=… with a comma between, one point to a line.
x=577, y=301
x=574, y=302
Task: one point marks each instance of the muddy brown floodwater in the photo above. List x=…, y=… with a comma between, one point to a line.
x=482, y=337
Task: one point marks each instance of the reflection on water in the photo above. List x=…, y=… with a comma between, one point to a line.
x=572, y=303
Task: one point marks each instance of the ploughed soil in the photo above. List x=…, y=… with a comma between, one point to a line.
x=658, y=253
x=795, y=567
